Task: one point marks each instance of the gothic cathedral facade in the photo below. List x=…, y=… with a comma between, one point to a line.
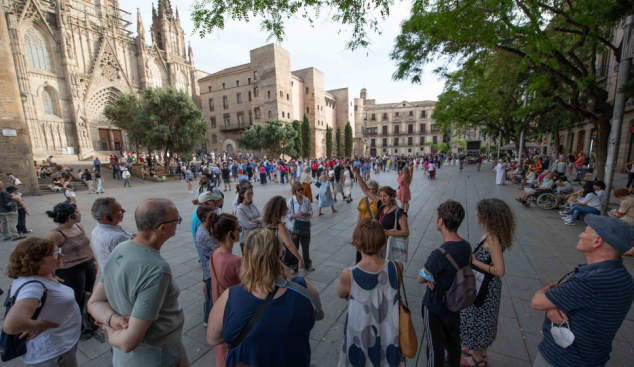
x=74, y=57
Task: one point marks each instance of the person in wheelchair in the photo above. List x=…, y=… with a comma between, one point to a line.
x=547, y=185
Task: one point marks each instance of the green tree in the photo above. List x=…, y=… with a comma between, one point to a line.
x=338, y=141
x=297, y=125
x=348, y=140
x=251, y=139
x=459, y=143
x=168, y=119
x=306, y=139
x=328, y=141
x=279, y=138
x=125, y=114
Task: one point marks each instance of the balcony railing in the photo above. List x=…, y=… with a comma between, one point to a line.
x=370, y=133
x=235, y=127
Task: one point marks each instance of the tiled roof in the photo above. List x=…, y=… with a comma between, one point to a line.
x=232, y=70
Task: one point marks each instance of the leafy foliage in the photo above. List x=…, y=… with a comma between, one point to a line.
x=306, y=140
x=165, y=119
x=251, y=138
x=297, y=126
x=338, y=141
x=348, y=139
x=273, y=136
x=460, y=144
x=328, y=141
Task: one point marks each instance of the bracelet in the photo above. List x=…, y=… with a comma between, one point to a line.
x=110, y=318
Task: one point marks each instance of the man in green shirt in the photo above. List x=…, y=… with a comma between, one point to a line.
x=136, y=300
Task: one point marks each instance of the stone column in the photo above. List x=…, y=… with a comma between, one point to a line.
x=16, y=151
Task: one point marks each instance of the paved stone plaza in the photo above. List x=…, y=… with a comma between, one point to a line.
x=544, y=250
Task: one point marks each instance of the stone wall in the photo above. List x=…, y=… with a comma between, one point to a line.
x=16, y=151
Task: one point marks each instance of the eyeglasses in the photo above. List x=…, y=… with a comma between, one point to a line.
x=56, y=253
x=179, y=220
x=300, y=189
x=239, y=229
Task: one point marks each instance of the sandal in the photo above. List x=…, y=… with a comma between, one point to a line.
x=466, y=351
x=467, y=362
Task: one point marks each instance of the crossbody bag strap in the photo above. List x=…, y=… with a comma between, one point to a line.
x=253, y=320
x=42, y=300
x=213, y=268
x=367, y=202
x=319, y=312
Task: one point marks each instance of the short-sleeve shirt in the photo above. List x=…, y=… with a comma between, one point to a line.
x=139, y=283
x=226, y=173
x=105, y=238
x=6, y=202
x=596, y=298
x=387, y=220
x=444, y=274
x=627, y=208
x=61, y=308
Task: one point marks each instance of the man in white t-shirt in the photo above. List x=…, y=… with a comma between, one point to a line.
x=108, y=233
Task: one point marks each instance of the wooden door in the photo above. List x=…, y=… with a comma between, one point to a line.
x=118, y=140
x=581, y=140
x=104, y=139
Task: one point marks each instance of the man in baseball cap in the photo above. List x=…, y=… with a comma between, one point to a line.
x=592, y=303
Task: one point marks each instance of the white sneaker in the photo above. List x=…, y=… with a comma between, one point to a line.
x=567, y=219
x=563, y=212
x=571, y=223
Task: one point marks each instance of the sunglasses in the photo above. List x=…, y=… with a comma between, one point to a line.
x=179, y=220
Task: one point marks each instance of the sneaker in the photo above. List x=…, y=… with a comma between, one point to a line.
x=568, y=218
x=28, y=231
x=571, y=223
x=18, y=238
x=563, y=212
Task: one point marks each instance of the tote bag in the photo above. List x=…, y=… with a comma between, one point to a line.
x=397, y=247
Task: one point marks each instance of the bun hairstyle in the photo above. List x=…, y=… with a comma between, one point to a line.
x=219, y=226
x=61, y=212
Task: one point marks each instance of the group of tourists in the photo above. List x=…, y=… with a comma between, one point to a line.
x=258, y=312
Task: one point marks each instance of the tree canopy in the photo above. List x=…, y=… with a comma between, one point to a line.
x=273, y=136
x=328, y=141
x=348, y=140
x=338, y=141
x=297, y=125
x=306, y=139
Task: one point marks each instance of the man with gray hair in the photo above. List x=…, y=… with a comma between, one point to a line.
x=108, y=233
x=136, y=300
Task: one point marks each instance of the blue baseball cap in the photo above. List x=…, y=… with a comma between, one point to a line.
x=615, y=232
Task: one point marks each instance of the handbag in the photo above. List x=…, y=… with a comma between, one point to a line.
x=318, y=184
x=11, y=346
x=300, y=227
x=398, y=247
x=17, y=182
x=408, y=342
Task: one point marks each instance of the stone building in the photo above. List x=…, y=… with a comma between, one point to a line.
x=266, y=89
x=400, y=128
x=73, y=57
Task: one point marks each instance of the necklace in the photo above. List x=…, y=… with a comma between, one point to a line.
x=385, y=211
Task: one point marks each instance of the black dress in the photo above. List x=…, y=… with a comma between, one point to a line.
x=387, y=221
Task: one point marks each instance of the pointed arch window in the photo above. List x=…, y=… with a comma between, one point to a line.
x=181, y=84
x=157, y=79
x=37, y=50
x=174, y=42
x=47, y=101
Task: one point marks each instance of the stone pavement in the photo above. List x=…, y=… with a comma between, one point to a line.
x=543, y=251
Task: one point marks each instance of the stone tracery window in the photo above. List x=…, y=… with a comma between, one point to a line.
x=181, y=84
x=37, y=50
x=157, y=79
x=174, y=42
x=47, y=101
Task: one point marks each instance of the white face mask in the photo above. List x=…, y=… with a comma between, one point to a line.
x=562, y=335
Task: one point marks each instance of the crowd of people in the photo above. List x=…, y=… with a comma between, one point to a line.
x=258, y=312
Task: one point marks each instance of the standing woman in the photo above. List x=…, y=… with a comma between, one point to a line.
x=388, y=213
x=248, y=214
x=306, y=181
x=79, y=266
x=68, y=190
x=281, y=338
x=205, y=245
x=348, y=181
x=99, y=179
x=262, y=171
x=55, y=332
x=479, y=324
x=339, y=184
x=404, y=195
x=325, y=194
x=274, y=211
x=224, y=265
x=300, y=210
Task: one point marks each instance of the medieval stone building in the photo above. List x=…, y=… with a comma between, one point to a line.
x=73, y=57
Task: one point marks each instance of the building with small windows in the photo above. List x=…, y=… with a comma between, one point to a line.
x=74, y=57
x=400, y=128
x=266, y=89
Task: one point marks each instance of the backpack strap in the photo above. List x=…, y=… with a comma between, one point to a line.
x=451, y=260
x=319, y=312
x=253, y=320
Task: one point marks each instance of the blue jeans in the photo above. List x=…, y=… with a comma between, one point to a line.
x=180, y=176
x=575, y=210
x=282, y=174
x=194, y=173
x=126, y=181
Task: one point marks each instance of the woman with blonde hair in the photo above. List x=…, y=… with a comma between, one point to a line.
x=274, y=211
x=306, y=180
x=281, y=336
x=404, y=195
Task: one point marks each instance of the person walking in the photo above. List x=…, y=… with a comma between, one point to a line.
x=306, y=181
x=261, y=270
x=479, y=322
x=79, y=267
x=404, y=181
x=68, y=189
x=51, y=337
x=88, y=180
x=348, y=181
x=136, y=301
x=300, y=210
x=22, y=211
x=325, y=194
x=224, y=265
x=126, y=177
x=371, y=288
x=99, y=179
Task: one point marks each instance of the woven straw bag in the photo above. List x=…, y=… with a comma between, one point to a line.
x=407, y=335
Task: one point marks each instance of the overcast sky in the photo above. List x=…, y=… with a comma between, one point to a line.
x=322, y=47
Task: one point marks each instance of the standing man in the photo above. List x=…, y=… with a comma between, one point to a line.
x=226, y=177
x=108, y=233
x=479, y=162
x=442, y=326
x=217, y=172
x=9, y=215
x=136, y=300
x=97, y=164
x=366, y=170
x=593, y=301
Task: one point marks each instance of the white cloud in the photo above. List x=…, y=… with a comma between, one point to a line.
x=321, y=46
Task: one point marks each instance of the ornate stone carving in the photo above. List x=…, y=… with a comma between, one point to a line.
x=30, y=12
x=109, y=66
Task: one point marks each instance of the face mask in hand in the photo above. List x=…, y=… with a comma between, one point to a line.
x=562, y=335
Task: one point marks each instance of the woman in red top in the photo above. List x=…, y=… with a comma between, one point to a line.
x=580, y=161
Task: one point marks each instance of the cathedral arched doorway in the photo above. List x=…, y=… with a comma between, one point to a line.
x=229, y=149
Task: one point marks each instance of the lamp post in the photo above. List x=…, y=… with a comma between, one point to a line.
x=627, y=51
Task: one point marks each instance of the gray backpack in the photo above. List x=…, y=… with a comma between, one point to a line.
x=462, y=292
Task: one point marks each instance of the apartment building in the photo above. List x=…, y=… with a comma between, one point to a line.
x=266, y=89
x=400, y=128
